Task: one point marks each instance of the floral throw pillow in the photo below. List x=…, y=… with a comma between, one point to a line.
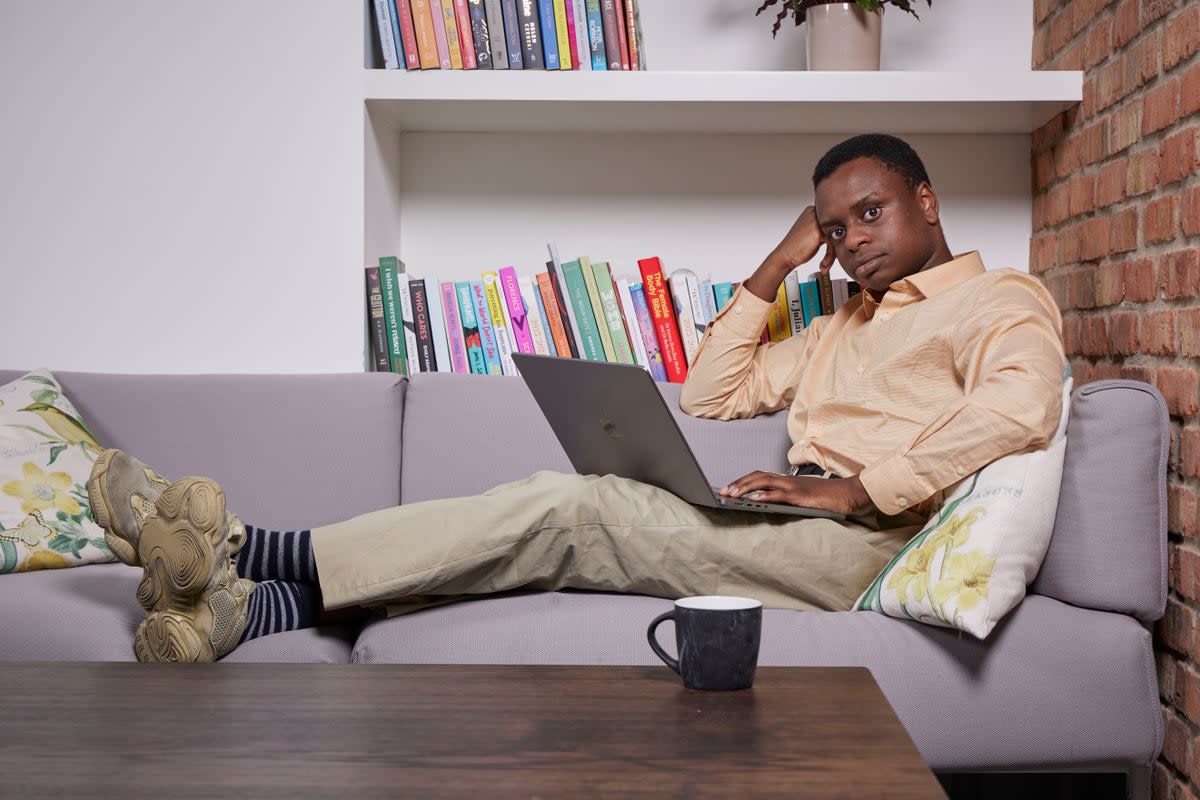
x=46, y=456
x=970, y=564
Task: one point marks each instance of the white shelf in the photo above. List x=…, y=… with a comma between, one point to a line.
x=718, y=102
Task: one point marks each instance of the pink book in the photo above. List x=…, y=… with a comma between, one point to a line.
x=571, y=33
x=458, y=348
x=408, y=33
x=516, y=309
x=439, y=34
x=465, y=37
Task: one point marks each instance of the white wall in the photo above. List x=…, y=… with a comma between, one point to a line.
x=181, y=185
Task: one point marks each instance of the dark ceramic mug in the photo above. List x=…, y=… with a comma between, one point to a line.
x=717, y=640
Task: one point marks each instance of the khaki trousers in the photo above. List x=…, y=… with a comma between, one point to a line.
x=554, y=531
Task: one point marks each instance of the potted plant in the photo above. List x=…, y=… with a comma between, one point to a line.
x=839, y=35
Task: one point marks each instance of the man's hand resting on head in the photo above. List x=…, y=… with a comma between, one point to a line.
x=841, y=495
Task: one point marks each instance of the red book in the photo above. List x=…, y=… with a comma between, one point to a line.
x=658, y=298
x=466, y=39
x=408, y=34
x=631, y=35
x=571, y=33
x=622, y=38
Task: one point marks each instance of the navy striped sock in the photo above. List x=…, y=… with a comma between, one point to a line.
x=277, y=606
x=277, y=555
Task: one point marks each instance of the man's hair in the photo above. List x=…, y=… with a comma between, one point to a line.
x=894, y=153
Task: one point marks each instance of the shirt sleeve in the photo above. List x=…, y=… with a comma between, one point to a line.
x=1011, y=357
x=734, y=375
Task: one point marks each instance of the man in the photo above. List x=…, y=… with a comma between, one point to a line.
x=936, y=369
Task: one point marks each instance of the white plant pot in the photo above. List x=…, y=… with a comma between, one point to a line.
x=842, y=36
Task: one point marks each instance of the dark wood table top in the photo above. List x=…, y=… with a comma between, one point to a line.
x=314, y=730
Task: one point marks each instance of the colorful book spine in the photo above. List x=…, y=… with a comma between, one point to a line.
x=531, y=34
x=572, y=37
x=654, y=356
x=510, y=287
x=535, y=317
x=658, y=298
x=682, y=300
x=562, y=26
x=410, y=325
x=427, y=42
x=722, y=294
x=422, y=325
x=453, y=43
x=595, y=26
x=631, y=35
x=622, y=38
x=512, y=33
x=487, y=334
x=614, y=321
x=472, y=339
x=501, y=324
x=810, y=297
x=437, y=331
x=454, y=330
x=841, y=292
x=795, y=305
x=554, y=315
x=778, y=327
x=593, y=293
x=825, y=288
x=497, y=46
x=582, y=51
x=560, y=289
x=612, y=44
x=387, y=35
x=408, y=34
x=641, y=40
x=389, y=271
x=590, y=345
x=376, y=328
x=708, y=302
x=549, y=33
x=633, y=330
x=479, y=34
x=466, y=34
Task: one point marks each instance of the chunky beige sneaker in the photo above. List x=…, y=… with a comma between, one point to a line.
x=122, y=492
x=195, y=601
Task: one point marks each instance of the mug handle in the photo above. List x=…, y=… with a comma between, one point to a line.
x=658, y=651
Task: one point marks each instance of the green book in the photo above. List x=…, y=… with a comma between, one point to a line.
x=612, y=312
x=389, y=271
x=589, y=333
x=593, y=291
x=810, y=297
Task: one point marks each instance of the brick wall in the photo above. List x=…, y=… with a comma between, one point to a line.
x=1116, y=219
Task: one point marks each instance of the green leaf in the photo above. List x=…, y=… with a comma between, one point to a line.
x=31, y=429
x=62, y=515
x=47, y=396
x=61, y=543
x=55, y=452
x=40, y=379
x=101, y=544
x=8, y=556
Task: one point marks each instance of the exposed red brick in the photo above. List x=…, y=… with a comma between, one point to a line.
x=1181, y=510
x=1049, y=133
x=1153, y=9
x=1094, y=238
x=1041, y=220
x=1059, y=289
x=1093, y=335
x=1177, y=741
x=1082, y=289
x=1177, y=630
x=1109, y=283
x=1070, y=58
x=1181, y=388
x=1041, y=47
x=1110, y=82
x=1165, y=664
x=1098, y=44
x=1157, y=333
x=1189, y=212
x=1043, y=170
x=1140, y=280
x=1081, y=196
x=1093, y=142
x=1124, y=332
x=1070, y=240
x=1125, y=23
x=1179, y=157
x=1185, y=577
x=1124, y=227
x=1144, y=57
x=1187, y=324
x=1160, y=221
x=1125, y=128
x=1061, y=30
x=1189, y=463
x=1182, y=38
x=1057, y=204
x=1161, y=781
x=1142, y=171
x=1072, y=327
x=1042, y=252
x=1161, y=106
x=1066, y=156
x=1189, y=95
x=1180, y=274
x=1042, y=9
x=1110, y=184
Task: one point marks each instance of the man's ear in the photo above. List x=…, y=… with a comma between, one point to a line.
x=928, y=202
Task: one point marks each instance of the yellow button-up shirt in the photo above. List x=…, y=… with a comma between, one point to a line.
x=955, y=367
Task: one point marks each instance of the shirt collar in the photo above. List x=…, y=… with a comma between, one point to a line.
x=931, y=282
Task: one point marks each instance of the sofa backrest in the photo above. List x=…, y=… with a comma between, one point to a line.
x=291, y=451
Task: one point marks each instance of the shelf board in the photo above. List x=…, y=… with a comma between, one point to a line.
x=719, y=102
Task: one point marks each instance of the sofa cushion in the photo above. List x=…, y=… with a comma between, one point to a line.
x=290, y=451
x=46, y=456
x=1068, y=685
x=970, y=564
x=1109, y=549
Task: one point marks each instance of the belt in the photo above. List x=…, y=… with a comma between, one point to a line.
x=811, y=469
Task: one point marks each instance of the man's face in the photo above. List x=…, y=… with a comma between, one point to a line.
x=880, y=230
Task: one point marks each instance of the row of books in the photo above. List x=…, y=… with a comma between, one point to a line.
x=510, y=34
x=574, y=309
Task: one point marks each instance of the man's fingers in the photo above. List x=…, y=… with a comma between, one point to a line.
x=827, y=259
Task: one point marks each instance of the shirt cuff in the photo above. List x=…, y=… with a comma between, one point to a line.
x=892, y=485
x=745, y=315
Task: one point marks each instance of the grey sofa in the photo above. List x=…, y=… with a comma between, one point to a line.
x=1066, y=682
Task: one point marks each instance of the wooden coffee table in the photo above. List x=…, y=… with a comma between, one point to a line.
x=314, y=730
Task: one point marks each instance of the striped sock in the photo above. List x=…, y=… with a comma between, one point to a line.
x=277, y=555
x=277, y=606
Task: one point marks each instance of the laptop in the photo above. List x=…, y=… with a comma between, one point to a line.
x=612, y=420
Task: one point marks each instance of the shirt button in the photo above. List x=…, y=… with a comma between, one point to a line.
x=902, y=501
x=737, y=309
x=959, y=470
x=802, y=443
x=884, y=316
x=860, y=369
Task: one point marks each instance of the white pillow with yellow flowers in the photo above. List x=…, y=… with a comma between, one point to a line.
x=46, y=456
x=970, y=564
